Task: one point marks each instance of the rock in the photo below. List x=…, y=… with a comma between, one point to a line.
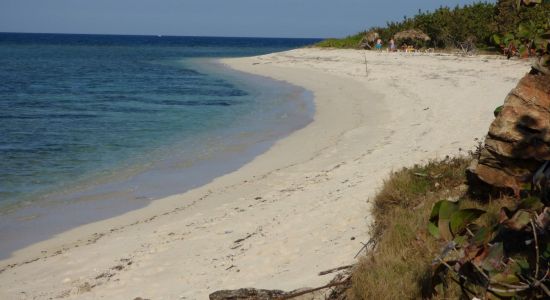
x=246, y=294
x=519, y=138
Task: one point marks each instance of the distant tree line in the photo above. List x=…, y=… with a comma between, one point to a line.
x=476, y=23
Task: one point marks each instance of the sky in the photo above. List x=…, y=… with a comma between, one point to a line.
x=237, y=18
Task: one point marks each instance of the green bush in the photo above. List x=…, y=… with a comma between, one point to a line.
x=477, y=22
x=351, y=42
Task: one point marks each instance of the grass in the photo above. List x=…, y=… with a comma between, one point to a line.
x=349, y=42
x=400, y=266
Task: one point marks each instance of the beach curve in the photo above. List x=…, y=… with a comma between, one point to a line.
x=301, y=207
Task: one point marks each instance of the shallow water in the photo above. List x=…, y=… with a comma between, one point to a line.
x=94, y=126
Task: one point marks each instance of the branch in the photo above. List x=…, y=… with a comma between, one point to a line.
x=544, y=218
x=511, y=287
x=536, y=248
x=452, y=270
x=545, y=289
x=300, y=293
x=538, y=283
x=510, y=290
x=371, y=241
x=335, y=270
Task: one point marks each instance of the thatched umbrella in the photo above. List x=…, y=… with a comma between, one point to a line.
x=413, y=34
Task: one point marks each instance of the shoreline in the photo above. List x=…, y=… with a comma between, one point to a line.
x=295, y=210
x=133, y=185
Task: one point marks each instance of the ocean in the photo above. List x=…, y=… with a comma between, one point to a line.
x=95, y=125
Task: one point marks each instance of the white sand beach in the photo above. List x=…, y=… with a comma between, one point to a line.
x=301, y=207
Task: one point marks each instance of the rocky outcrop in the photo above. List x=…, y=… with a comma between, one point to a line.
x=519, y=138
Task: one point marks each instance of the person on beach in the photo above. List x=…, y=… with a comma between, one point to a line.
x=378, y=45
x=392, y=47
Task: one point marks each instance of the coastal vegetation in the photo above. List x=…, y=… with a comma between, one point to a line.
x=435, y=240
x=399, y=267
x=453, y=229
x=447, y=27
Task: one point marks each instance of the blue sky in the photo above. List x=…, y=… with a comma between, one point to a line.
x=259, y=18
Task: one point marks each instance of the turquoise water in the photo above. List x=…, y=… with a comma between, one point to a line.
x=123, y=120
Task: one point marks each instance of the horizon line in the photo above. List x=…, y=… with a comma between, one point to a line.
x=163, y=35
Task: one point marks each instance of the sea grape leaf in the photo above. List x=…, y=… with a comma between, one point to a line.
x=433, y=230
x=446, y=210
x=522, y=49
x=532, y=203
x=435, y=210
x=434, y=218
x=519, y=265
x=497, y=39
x=524, y=264
x=460, y=219
x=508, y=37
x=523, y=31
x=497, y=110
x=519, y=220
x=500, y=280
x=495, y=255
x=539, y=41
x=513, y=267
x=508, y=278
x=482, y=236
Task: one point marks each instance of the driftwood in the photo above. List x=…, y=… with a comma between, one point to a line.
x=246, y=294
x=340, y=280
x=299, y=293
x=338, y=285
x=370, y=242
x=335, y=270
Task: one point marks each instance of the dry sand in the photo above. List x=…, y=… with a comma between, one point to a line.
x=301, y=207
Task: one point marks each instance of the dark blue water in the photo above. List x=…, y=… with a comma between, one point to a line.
x=104, y=113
